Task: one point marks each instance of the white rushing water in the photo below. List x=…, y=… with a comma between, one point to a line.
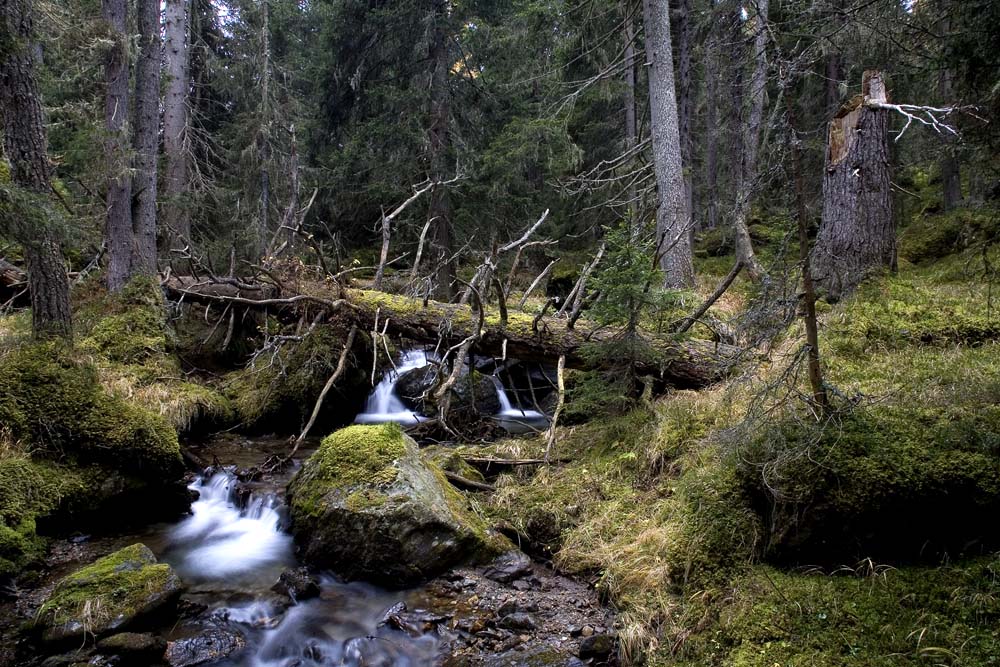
x=219, y=540
x=383, y=404
x=234, y=556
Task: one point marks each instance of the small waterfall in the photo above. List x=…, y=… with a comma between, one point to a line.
x=516, y=420
x=219, y=541
x=383, y=404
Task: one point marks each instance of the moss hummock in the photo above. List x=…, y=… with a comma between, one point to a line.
x=108, y=595
x=367, y=506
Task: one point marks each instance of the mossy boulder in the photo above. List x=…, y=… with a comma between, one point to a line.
x=367, y=506
x=107, y=596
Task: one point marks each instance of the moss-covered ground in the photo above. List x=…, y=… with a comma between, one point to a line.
x=82, y=425
x=735, y=528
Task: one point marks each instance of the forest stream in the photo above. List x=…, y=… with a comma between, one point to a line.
x=248, y=602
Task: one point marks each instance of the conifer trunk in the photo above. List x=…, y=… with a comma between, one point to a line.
x=673, y=218
x=25, y=148
x=685, y=91
x=118, y=220
x=857, y=235
x=146, y=138
x=439, y=210
x=176, y=217
x=711, y=196
x=751, y=96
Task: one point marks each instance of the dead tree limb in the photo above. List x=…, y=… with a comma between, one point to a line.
x=332, y=380
x=561, y=385
x=688, y=321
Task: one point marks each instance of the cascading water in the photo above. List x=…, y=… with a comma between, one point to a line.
x=384, y=405
x=219, y=540
x=230, y=558
x=516, y=420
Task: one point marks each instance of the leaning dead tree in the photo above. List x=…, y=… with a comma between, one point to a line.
x=856, y=235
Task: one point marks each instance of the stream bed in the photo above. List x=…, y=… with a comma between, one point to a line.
x=233, y=548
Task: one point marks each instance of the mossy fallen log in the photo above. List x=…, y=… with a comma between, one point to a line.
x=679, y=362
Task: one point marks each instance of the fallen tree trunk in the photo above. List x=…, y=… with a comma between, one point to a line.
x=686, y=364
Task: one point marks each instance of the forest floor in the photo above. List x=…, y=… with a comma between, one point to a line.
x=733, y=527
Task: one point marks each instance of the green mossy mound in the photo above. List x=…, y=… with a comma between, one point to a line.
x=281, y=388
x=367, y=506
x=132, y=346
x=70, y=452
x=890, y=482
x=869, y=616
x=56, y=405
x=108, y=595
x=933, y=236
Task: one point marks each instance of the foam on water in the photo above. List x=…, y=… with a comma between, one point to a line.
x=219, y=540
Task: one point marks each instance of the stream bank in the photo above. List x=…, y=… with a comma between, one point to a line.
x=233, y=548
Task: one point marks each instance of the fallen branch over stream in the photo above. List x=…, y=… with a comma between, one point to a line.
x=681, y=363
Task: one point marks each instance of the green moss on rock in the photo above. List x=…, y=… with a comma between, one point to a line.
x=108, y=595
x=368, y=507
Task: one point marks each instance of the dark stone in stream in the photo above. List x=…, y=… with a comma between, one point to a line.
x=134, y=645
x=597, y=647
x=508, y=566
x=212, y=645
x=518, y=621
x=298, y=584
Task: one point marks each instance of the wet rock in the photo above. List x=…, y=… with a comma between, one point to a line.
x=298, y=584
x=597, y=647
x=394, y=610
x=134, y=645
x=212, y=645
x=518, y=621
x=108, y=595
x=508, y=566
x=531, y=657
x=474, y=393
x=366, y=506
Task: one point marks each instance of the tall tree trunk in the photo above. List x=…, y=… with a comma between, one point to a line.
x=752, y=102
x=631, y=126
x=264, y=132
x=951, y=176
x=673, y=218
x=25, y=148
x=711, y=194
x=118, y=221
x=146, y=138
x=685, y=92
x=439, y=140
x=856, y=235
x=176, y=215
x=834, y=61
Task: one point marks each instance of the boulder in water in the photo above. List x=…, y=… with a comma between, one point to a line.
x=473, y=393
x=108, y=595
x=367, y=506
x=212, y=645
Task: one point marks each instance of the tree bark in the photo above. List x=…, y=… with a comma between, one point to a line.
x=439, y=140
x=673, y=218
x=176, y=216
x=857, y=235
x=25, y=147
x=146, y=138
x=711, y=195
x=951, y=176
x=685, y=92
x=751, y=98
x=631, y=126
x=118, y=214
